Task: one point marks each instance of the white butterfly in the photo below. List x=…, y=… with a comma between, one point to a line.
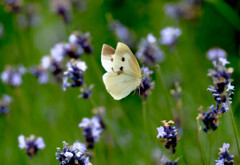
x=123, y=71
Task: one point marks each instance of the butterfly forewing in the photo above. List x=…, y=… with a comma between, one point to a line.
x=126, y=59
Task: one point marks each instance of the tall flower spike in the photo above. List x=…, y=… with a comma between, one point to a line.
x=168, y=134
x=221, y=89
x=4, y=104
x=92, y=129
x=76, y=154
x=224, y=157
x=147, y=85
x=31, y=144
x=149, y=52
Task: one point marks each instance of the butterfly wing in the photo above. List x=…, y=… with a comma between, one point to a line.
x=107, y=57
x=129, y=62
x=120, y=84
x=120, y=60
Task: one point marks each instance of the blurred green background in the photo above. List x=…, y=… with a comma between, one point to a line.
x=47, y=111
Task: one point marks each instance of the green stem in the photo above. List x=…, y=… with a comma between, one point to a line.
x=166, y=92
x=172, y=158
x=234, y=126
x=144, y=113
x=201, y=143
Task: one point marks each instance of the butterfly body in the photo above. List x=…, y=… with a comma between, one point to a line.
x=123, y=71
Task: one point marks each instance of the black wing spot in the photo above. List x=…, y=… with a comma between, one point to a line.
x=121, y=68
x=112, y=69
x=112, y=59
x=123, y=59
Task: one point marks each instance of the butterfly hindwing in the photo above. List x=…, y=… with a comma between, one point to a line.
x=120, y=84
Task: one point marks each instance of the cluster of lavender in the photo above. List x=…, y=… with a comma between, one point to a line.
x=4, y=104
x=92, y=129
x=76, y=154
x=221, y=89
x=64, y=8
x=184, y=9
x=224, y=157
x=169, y=136
x=149, y=52
x=31, y=144
x=78, y=44
x=13, y=76
x=147, y=84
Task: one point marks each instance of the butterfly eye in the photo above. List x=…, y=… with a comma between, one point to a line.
x=123, y=59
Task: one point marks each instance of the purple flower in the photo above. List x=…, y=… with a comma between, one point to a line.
x=92, y=129
x=4, y=104
x=169, y=35
x=76, y=154
x=224, y=157
x=149, y=52
x=168, y=134
x=31, y=144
